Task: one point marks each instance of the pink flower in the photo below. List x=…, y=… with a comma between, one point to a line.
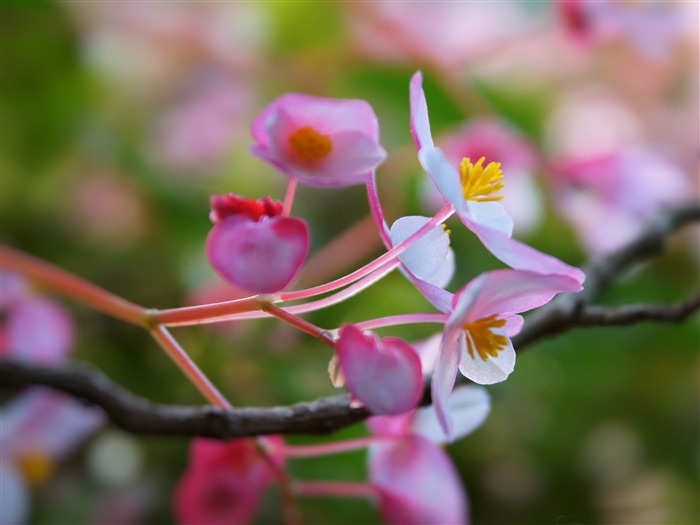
x=609, y=197
x=253, y=246
x=34, y=329
x=37, y=428
x=224, y=482
x=473, y=192
x=483, y=317
x=385, y=375
x=321, y=141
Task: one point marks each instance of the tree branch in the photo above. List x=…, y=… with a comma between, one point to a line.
x=140, y=416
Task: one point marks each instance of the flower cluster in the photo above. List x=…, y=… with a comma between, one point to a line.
x=257, y=246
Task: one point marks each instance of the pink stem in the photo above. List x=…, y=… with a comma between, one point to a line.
x=340, y=489
x=390, y=255
x=192, y=315
x=394, y=320
x=301, y=324
x=375, y=207
x=289, y=196
x=65, y=283
x=325, y=449
x=188, y=367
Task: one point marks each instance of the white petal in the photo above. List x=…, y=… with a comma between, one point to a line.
x=492, y=370
x=468, y=405
x=14, y=496
x=427, y=256
x=444, y=176
x=492, y=215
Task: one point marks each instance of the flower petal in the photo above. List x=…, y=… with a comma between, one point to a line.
x=492, y=370
x=492, y=215
x=14, y=496
x=523, y=257
x=418, y=484
x=468, y=406
x=384, y=375
x=39, y=330
x=444, y=176
x=444, y=376
x=427, y=256
x=262, y=257
x=420, y=123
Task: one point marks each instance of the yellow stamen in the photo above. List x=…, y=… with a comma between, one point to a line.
x=479, y=183
x=310, y=145
x=36, y=467
x=482, y=339
x=444, y=227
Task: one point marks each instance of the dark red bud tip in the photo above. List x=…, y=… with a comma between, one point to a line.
x=223, y=206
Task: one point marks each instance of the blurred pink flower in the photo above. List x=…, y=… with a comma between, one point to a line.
x=483, y=317
x=473, y=193
x=385, y=375
x=33, y=329
x=651, y=26
x=37, y=428
x=446, y=34
x=321, y=141
x=224, y=482
x=197, y=133
x=253, y=246
x=609, y=197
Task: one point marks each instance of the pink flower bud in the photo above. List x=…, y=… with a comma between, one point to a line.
x=385, y=374
x=252, y=246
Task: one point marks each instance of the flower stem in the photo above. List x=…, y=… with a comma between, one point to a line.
x=189, y=368
x=65, y=283
x=192, y=315
x=394, y=320
x=340, y=489
x=301, y=324
x=289, y=196
x=325, y=449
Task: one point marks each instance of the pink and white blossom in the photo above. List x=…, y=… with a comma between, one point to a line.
x=383, y=374
x=320, y=141
x=483, y=318
x=472, y=191
x=253, y=246
x=224, y=482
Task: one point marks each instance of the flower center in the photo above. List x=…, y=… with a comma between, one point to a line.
x=479, y=183
x=310, y=145
x=36, y=467
x=223, y=206
x=482, y=339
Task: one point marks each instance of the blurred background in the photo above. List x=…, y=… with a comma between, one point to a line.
x=120, y=119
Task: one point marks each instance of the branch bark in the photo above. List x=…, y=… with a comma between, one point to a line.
x=140, y=416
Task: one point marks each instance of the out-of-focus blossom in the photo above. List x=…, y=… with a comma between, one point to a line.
x=473, y=192
x=476, y=339
x=34, y=329
x=37, y=428
x=651, y=26
x=253, y=246
x=321, y=141
x=224, y=482
x=385, y=375
x=197, y=133
x=105, y=207
x=609, y=198
x=415, y=479
x=141, y=48
x=493, y=139
x=445, y=34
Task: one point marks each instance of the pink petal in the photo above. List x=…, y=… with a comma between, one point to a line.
x=418, y=484
x=384, y=375
x=492, y=370
x=13, y=286
x=468, y=406
x=262, y=257
x=420, y=123
x=491, y=215
x=396, y=426
x=444, y=376
x=438, y=297
x=514, y=324
x=523, y=257
x=39, y=331
x=507, y=292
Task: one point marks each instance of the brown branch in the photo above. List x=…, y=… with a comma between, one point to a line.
x=140, y=416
